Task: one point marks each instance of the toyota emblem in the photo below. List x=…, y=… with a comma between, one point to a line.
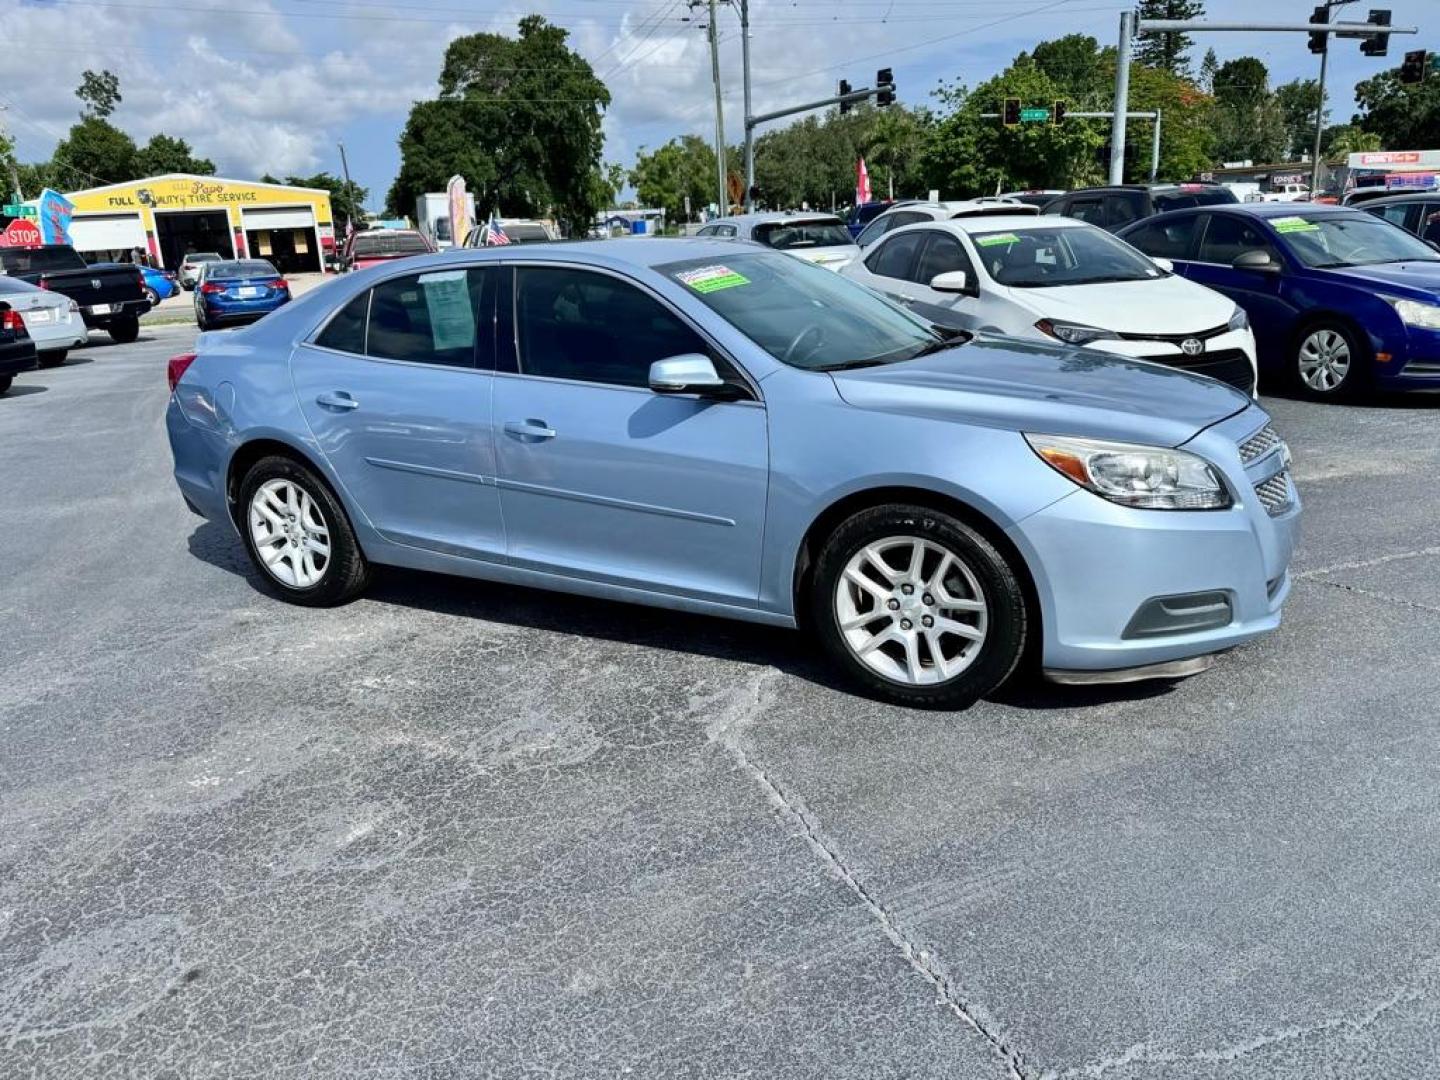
x=1192, y=346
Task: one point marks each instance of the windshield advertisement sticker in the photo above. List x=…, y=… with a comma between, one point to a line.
x=1294, y=224
x=996, y=240
x=710, y=279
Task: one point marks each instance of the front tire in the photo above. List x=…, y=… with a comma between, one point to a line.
x=124, y=329
x=918, y=608
x=52, y=359
x=298, y=536
x=1329, y=362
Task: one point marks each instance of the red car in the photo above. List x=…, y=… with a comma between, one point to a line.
x=383, y=245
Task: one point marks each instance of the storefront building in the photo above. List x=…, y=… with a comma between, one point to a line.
x=168, y=216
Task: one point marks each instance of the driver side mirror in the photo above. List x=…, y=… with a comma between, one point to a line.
x=688, y=373
x=1258, y=261
x=956, y=281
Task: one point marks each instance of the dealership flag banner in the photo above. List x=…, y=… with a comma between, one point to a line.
x=459, y=218
x=862, y=183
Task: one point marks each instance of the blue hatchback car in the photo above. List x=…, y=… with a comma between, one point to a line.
x=730, y=430
x=238, y=291
x=1339, y=299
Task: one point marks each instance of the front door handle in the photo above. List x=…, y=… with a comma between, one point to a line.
x=338, y=400
x=529, y=429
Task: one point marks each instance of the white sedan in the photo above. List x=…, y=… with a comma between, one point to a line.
x=53, y=321
x=1059, y=279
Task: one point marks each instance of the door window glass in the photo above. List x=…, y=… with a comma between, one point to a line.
x=1429, y=224
x=428, y=318
x=346, y=330
x=942, y=254
x=1396, y=215
x=1121, y=210
x=1228, y=237
x=1091, y=210
x=896, y=256
x=574, y=324
x=1165, y=239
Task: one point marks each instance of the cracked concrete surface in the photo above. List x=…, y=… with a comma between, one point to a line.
x=460, y=830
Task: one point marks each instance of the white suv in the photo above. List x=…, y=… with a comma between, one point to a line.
x=916, y=212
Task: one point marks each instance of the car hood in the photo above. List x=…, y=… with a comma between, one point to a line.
x=1162, y=306
x=1054, y=390
x=1419, y=277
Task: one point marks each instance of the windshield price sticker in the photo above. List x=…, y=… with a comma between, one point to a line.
x=1294, y=224
x=710, y=279
x=996, y=240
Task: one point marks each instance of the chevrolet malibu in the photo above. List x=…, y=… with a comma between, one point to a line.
x=701, y=426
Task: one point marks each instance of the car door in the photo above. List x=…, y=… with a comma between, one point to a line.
x=1406, y=215
x=600, y=477
x=396, y=390
x=942, y=253
x=1168, y=237
x=1427, y=222
x=1221, y=239
x=890, y=266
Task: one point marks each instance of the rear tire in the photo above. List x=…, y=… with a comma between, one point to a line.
x=298, y=535
x=52, y=359
x=124, y=329
x=152, y=296
x=5, y=381
x=918, y=608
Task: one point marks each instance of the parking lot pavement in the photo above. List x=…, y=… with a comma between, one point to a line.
x=456, y=829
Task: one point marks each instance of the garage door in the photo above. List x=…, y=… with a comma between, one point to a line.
x=297, y=217
x=107, y=232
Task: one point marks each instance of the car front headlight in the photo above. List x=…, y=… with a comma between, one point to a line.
x=1417, y=313
x=1238, y=319
x=1145, y=477
x=1073, y=333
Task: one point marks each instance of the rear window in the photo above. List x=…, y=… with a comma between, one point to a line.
x=1185, y=200
x=39, y=260
x=389, y=242
x=794, y=235
x=203, y=256
x=526, y=233
x=241, y=268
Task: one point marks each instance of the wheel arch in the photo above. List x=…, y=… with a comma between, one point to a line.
x=848, y=505
x=251, y=451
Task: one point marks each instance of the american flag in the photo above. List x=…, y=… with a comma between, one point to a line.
x=494, y=234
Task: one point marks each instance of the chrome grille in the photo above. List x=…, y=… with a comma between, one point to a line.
x=1275, y=494
x=1259, y=444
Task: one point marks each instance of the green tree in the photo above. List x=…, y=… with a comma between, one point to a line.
x=666, y=176
x=1298, y=100
x=1342, y=139
x=1187, y=143
x=519, y=118
x=1248, y=122
x=163, y=154
x=1208, y=67
x=99, y=93
x=95, y=152
x=1171, y=51
x=347, y=201
x=1406, y=116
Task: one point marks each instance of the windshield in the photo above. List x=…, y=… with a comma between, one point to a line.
x=790, y=235
x=1185, y=200
x=241, y=268
x=39, y=260
x=388, y=242
x=1349, y=240
x=1040, y=258
x=801, y=314
x=442, y=228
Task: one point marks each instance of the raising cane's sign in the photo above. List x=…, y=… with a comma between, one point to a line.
x=22, y=232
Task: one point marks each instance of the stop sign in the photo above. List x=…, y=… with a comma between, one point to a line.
x=22, y=232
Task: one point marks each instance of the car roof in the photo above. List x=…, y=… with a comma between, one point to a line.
x=770, y=216
x=1429, y=195
x=995, y=223
x=620, y=254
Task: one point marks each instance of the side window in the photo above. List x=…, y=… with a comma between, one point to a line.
x=708, y=230
x=1397, y=215
x=575, y=324
x=430, y=318
x=942, y=254
x=909, y=217
x=1121, y=210
x=1091, y=210
x=895, y=257
x=1429, y=224
x=1227, y=237
x=1165, y=239
x=876, y=229
x=346, y=329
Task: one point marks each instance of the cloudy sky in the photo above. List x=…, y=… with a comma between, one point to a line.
x=272, y=85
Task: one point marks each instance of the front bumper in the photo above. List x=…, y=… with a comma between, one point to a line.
x=1417, y=367
x=1099, y=567
x=1229, y=357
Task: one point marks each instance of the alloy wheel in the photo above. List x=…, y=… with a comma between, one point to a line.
x=290, y=533
x=911, y=610
x=1324, y=361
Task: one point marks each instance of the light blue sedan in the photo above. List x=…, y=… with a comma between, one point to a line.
x=712, y=427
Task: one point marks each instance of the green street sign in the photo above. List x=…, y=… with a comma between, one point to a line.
x=17, y=210
x=1030, y=116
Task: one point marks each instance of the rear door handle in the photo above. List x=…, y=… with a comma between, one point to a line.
x=529, y=429
x=338, y=400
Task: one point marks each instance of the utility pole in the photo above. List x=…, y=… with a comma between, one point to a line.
x=749, y=131
x=1320, y=106
x=1122, y=98
x=722, y=200
x=345, y=168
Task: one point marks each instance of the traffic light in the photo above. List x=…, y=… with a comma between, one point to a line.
x=1011, y=115
x=1378, y=45
x=1059, y=114
x=844, y=89
x=1413, y=69
x=1317, y=41
x=885, y=85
